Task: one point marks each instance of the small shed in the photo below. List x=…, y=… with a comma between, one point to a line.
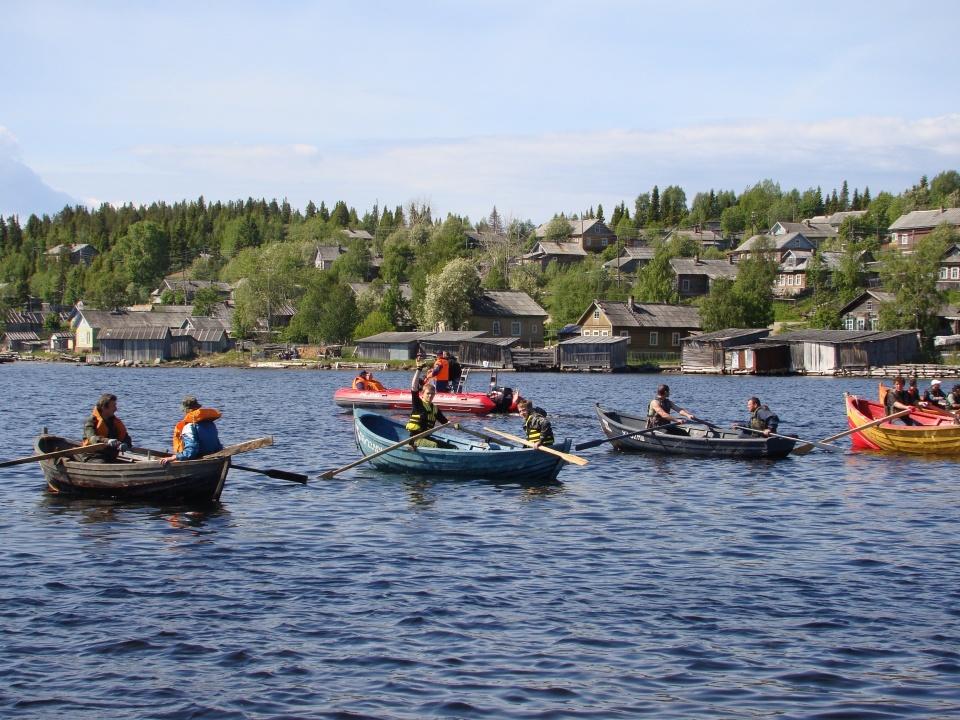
x=593, y=353
x=390, y=345
x=144, y=344
x=488, y=352
x=61, y=341
x=19, y=341
x=212, y=340
x=705, y=353
x=449, y=340
x=761, y=358
x=830, y=352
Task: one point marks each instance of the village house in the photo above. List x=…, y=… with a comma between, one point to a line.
x=816, y=233
x=390, y=345
x=144, y=344
x=779, y=244
x=655, y=329
x=508, y=313
x=791, y=277
x=326, y=256
x=591, y=234
x=88, y=325
x=76, y=254
x=908, y=229
x=949, y=276
x=631, y=260
x=20, y=341
x=695, y=277
x=19, y=321
x=836, y=219
x=863, y=312
x=705, y=236
x=358, y=235
x=188, y=288
x=563, y=253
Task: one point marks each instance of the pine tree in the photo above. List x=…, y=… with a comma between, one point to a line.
x=855, y=203
x=600, y=212
x=617, y=215
x=865, y=200
x=495, y=222
x=323, y=213
x=654, y=213
x=311, y=210
x=819, y=208
x=844, y=197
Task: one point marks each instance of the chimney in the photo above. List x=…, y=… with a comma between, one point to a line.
x=630, y=303
x=730, y=258
x=807, y=222
x=696, y=259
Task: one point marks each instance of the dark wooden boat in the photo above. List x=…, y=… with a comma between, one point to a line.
x=133, y=477
x=696, y=441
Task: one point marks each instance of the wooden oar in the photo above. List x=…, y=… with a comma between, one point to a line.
x=55, y=454
x=243, y=447
x=873, y=423
x=482, y=436
x=811, y=443
x=278, y=474
x=330, y=473
x=573, y=459
x=601, y=441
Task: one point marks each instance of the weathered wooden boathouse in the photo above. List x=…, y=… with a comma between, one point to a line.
x=593, y=353
x=707, y=352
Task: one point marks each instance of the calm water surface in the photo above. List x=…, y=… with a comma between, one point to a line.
x=826, y=586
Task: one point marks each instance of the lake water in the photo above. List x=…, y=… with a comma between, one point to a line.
x=824, y=586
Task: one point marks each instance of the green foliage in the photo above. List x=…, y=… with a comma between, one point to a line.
x=354, y=265
x=494, y=279
x=373, y=323
x=449, y=294
x=204, y=301
x=145, y=254
x=656, y=281
x=557, y=230
x=172, y=297
x=51, y=323
x=733, y=221
x=746, y=302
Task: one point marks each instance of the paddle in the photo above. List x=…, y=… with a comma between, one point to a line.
x=278, y=474
x=873, y=423
x=573, y=459
x=811, y=443
x=330, y=473
x=55, y=454
x=482, y=436
x=601, y=441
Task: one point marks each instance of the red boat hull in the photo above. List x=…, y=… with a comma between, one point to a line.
x=395, y=399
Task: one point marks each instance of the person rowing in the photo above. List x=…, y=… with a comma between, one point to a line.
x=660, y=409
x=424, y=414
x=762, y=418
x=897, y=399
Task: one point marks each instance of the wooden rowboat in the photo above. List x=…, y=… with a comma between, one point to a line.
x=133, y=476
x=468, y=459
x=933, y=434
x=695, y=441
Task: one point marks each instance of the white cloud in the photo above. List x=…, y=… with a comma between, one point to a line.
x=22, y=191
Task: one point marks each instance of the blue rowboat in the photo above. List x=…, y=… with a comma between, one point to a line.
x=468, y=458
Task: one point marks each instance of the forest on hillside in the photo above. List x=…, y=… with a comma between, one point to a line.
x=267, y=248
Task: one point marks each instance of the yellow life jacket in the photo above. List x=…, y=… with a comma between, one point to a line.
x=420, y=421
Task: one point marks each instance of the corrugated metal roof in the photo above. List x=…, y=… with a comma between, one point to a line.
x=395, y=337
x=546, y=247
x=455, y=335
x=21, y=335
x=506, y=303
x=135, y=333
x=837, y=336
x=502, y=341
x=726, y=334
x=777, y=242
x=711, y=268
x=596, y=340
x=208, y=335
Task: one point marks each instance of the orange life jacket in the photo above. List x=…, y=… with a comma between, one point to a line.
x=441, y=370
x=374, y=385
x=360, y=383
x=103, y=430
x=198, y=415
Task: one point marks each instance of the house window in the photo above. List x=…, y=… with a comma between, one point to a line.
x=904, y=239
x=955, y=273
x=943, y=273
x=861, y=324
x=596, y=314
x=654, y=338
x=515, y=328
x=685, y=285
x=848, y=322
x=873, y=324
x=624, y=333
x=675, y=339
x=604, y=333
x=789, y=279
x=496, y=328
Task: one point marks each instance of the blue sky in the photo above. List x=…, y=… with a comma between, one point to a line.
x=535, y=107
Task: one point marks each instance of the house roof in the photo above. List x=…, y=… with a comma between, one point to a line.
x=547, y=247
x=76, y=247
x=358, y=234
x=711, y=268
x=16, y=317
x=838, y=217
x=135, y=333
x=205, y=323
x=651, y=315
x=395, y=337
x=103, y=319
x=359, y=288
x=834, y=337
x=878, y=295
x=21, y=335
x=726, y=334
x=208, y=335
x=809, y=229
x=596, y=340
x=187, y=285
x=455, y=335
x=778, y=242
x=922, y=219
x=329, y=253
x=578, y=227
x=505, y=303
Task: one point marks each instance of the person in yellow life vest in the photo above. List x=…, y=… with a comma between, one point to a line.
x=440, y=372
x=360, y=381
x=103, y=426
x=535, y=423
x=424, y=414
x=196, y=434
x=373, y=383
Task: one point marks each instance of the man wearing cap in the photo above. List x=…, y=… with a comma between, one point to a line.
x=934, y=395
x=360, y=381
x=196, y=435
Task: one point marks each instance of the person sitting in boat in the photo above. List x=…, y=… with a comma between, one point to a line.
x=456, y=373
x=659, y=412
x=762, y=418
x=424, y=414
x=373, y=383
x=934, y=396
x=535, y=423
x=897, y=400
x=913, y=393
x=196, y=434
x=440, y=373
x=360, y=381
x=952, y=401
x=103, y=426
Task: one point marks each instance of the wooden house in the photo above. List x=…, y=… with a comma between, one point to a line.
x=144, y=344
x=390, y=345
x=706, y=353
x=908, y=229
x=210, y=340
x=20, y=341
x=863, y=312
x=448, y=340
x=814, y=232
x=326, y=255
x=593, y=353
x=562, y=253
x=88, y=325
x=695, y=276
x=949, y=275
x=75, y=254
x=830, y=352
x=487, y=352
x=189, y=288
x=508, y=313
x=631, y=260
x=654, y=329
x=590, y=234
x=778, y=244
x=61, y=341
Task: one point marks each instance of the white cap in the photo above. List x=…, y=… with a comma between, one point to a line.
x=934, y=382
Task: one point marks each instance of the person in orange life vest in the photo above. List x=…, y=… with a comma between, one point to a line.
x=373, y=383
x=196, y=435
x=360, y=381
x=103, y=426
x=440, y=373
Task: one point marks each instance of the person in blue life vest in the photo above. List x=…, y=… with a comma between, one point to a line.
x=196, y=434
